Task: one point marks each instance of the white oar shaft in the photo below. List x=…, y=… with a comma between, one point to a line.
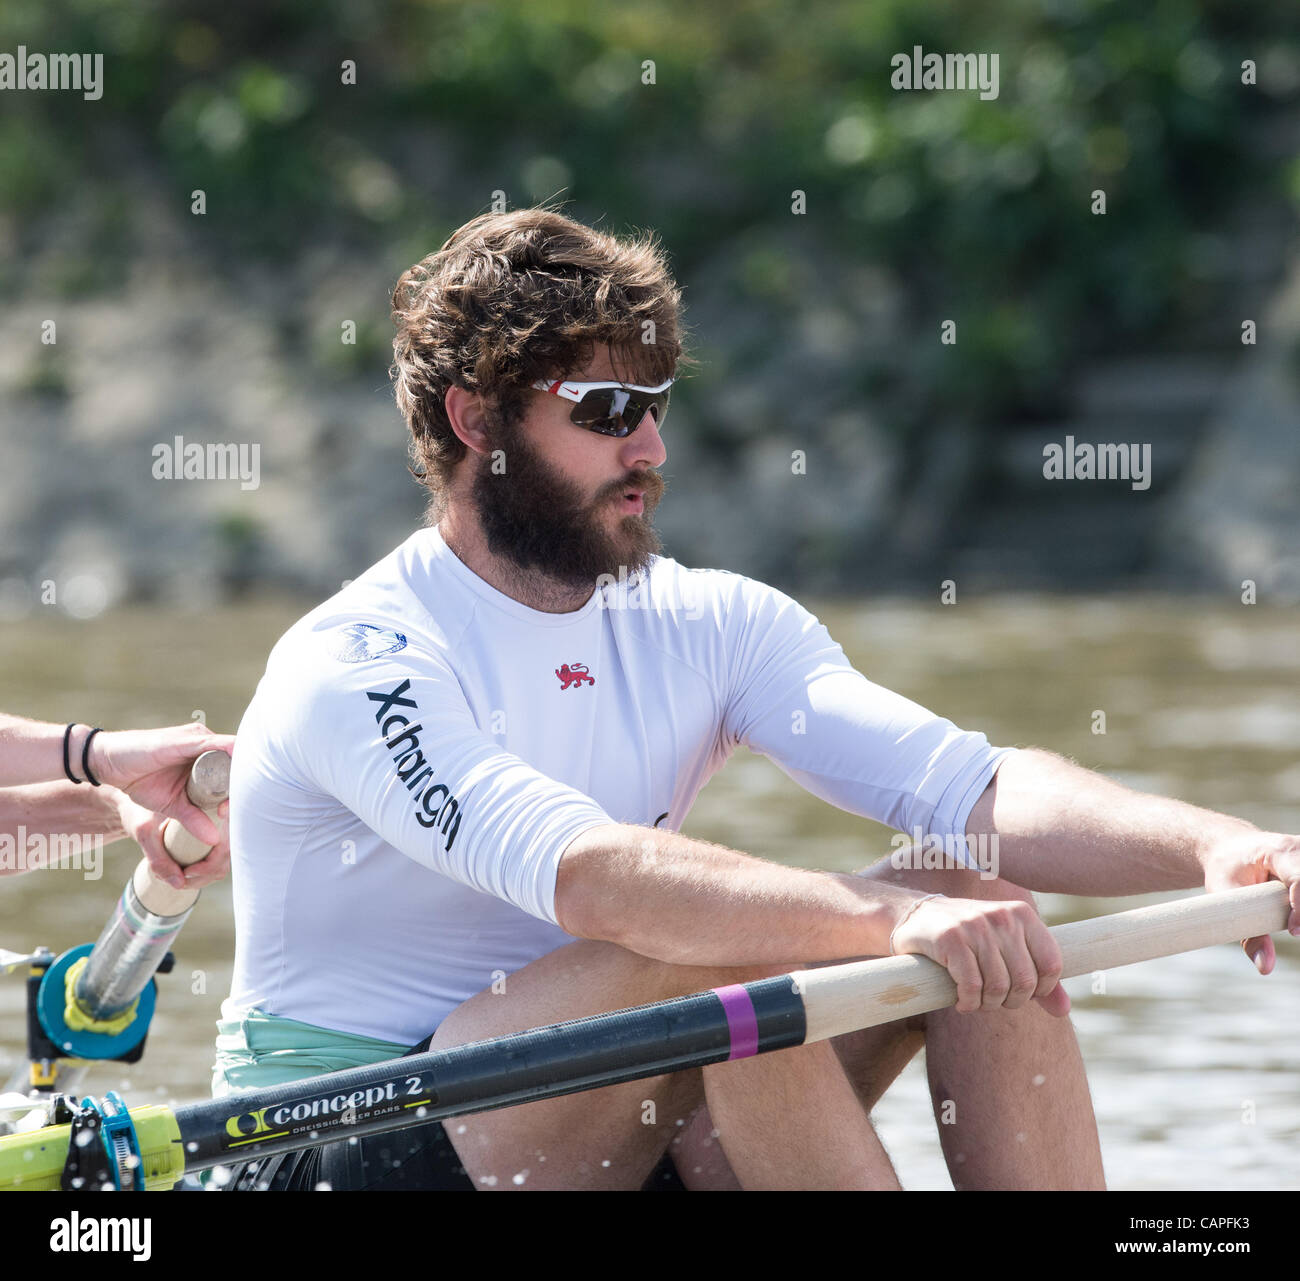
x=861, y=994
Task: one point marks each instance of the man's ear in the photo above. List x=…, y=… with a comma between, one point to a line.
x=467, y=418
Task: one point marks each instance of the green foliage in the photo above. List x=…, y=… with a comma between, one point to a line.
x=44, y=376
x=372, y=350
x=980, y=210
x=239, y=540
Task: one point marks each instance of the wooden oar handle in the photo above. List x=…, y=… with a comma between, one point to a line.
x=209, y=785
x=1165, y=929
x=843, y=998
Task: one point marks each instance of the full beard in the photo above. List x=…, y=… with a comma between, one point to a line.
x=537, y=520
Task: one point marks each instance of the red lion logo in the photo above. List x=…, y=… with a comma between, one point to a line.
x=574, y=674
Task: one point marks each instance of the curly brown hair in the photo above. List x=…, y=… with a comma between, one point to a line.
x=512, y=298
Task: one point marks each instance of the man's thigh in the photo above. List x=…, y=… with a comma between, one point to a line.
x=609, y=1138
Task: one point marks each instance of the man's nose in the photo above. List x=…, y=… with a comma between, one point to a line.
x=645, y=447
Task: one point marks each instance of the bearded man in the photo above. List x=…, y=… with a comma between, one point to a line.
x=457, y=794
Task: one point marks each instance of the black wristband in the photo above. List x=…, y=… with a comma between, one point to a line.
x=85, y=758
x=67, y=764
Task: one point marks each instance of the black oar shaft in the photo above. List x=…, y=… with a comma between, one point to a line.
x=543, y=1063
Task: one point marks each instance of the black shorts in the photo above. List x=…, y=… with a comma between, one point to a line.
x=413, y=1160
x=418, y=1159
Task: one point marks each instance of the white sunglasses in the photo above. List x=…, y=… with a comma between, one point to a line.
x=612, y=409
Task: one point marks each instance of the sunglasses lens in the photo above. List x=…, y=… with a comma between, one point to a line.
x=657, y=402
x=612, y=411
x=595, y=407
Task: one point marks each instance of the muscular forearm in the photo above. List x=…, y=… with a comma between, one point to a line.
x=688, y=902
x=1069, y=830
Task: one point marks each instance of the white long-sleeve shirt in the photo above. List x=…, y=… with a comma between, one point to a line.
x=423, y=748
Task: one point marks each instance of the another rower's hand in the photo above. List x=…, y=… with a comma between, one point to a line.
x=1248, y=859
x=152, y=766
x=146, y=829
x=1000, y=954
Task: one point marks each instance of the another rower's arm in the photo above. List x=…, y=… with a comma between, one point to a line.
x=689, y=902
x=56, y=809
x=32, y=751
x=150, y=766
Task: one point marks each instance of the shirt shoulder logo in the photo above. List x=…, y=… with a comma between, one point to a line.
x=360, y=642
x=573, y=674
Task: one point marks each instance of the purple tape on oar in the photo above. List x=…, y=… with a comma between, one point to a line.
x=742, y=1022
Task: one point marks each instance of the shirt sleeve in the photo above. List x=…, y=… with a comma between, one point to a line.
x=797, y=699
x=393, y=739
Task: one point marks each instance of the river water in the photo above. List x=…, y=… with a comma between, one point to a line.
x=1193, y=1061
